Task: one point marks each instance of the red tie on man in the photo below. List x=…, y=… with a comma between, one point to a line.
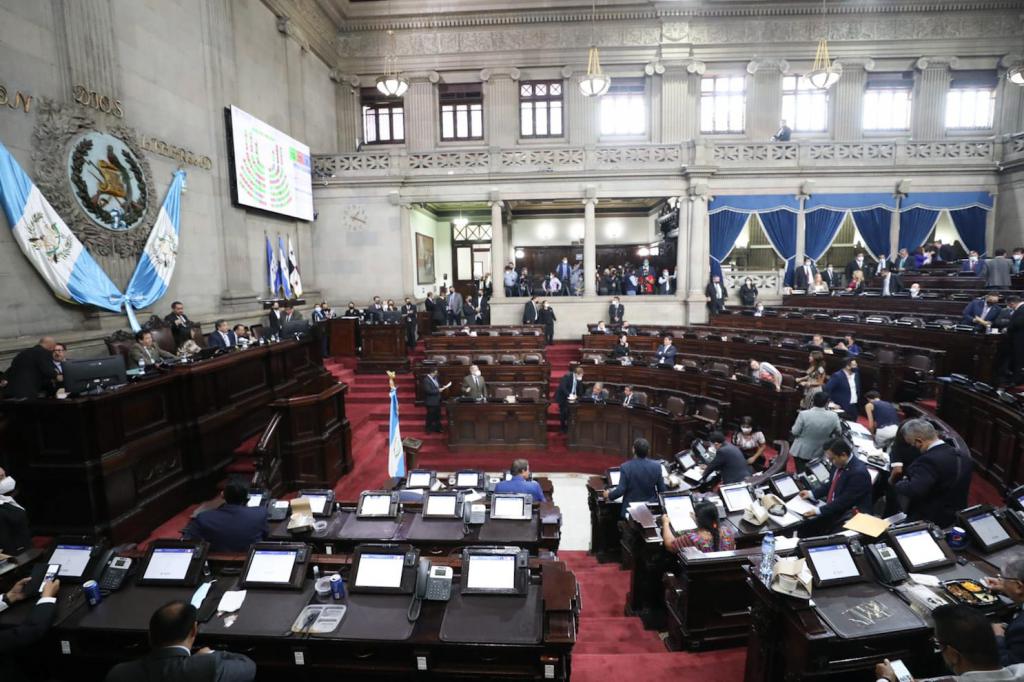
x=832, y=488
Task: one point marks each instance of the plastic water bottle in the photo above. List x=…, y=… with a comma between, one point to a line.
x=767, y=557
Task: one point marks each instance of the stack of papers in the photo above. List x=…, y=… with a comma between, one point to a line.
x=800, y=506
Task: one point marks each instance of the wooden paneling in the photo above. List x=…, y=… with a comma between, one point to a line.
x=497, y=426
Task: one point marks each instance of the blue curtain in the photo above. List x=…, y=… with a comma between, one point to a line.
x=970, y=224
x=780, y=227
x=725, y=230
x=873, y=226
x=822, y=227
x=915, y=226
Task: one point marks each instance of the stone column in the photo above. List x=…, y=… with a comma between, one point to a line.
x=700, y=251
x=405, y=229
x=581, y=124
x=764, y=102
x=847, y=100
x=589, y=242
x=497, y=247
x=421, y=115
x=293, y=54
x=894, y=228
x=501, y=104
x=347, y=104
x=801, y=234
x=929, y=107
x=683, y=234
x=87, y=47
x=990, y=226
x=680, y=101
x=1010, y=111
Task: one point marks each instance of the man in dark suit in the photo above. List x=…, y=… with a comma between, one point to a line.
x=564, y=273
x=290, y=314
x=179, y=323
x=805, y=275
x=982, y=312
x=729, y=461
x=640, y=479
x=172, y=634
x=409, y=317
x=666, y=353
x=848, y=490
x=231, y=527
x=221, y=337
x=945, y=251
x=439, y=315
x=1010, y=637
x=935, y=486
x=530, y=311
x=474, y=386
x=830, y=277
x=903, y=261
x=32, y=372
x=843, y=388
x=616, y=311
x=627, y=329
x=716, y=293
x=432, y=391
x=274, y=319
x=859, y=262
x=891, y=284
x=375, y=313
x=570, y=387
x=972, y=264
x=17, y=639
x=883, y=263
x=453, y=302
x=598, y=393
x=1011, y=347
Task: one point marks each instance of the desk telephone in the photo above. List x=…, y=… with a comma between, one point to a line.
x=433, y=583
x=115, y=573
x=887, y=565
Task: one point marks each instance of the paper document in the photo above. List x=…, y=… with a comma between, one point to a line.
x=788, y=520
x=925, y=579
x=783, y=544
x=200, y=594
x=231, y=601
x=799, y=505
x=866, y=524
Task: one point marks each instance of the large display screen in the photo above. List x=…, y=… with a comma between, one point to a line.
x=380, y=570
x=271, y=171
x=169, y=563
x=833, y=562
x=491, y=572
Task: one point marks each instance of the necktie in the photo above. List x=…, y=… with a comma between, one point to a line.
x=832, y=488
x=626, y=401
x=573, y=385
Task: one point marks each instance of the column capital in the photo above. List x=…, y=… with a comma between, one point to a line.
x=654, y=67
x=853, y=63
x=689, y=66
x=590, y=201
x=766, y=64
x=943, y=62
x=342, y=78
x=289, y=28
x=423, y=76
x=499, y=72
x=1010, y=60
x=699, y=191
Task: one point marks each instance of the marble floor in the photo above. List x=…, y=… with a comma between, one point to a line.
x=571, y=497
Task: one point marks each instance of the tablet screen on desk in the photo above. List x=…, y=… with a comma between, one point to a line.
x=680, y=512
x=73, y=559
x=418, y=479
x=316, y=503
x=509, y=507
x=988, y=529
x=785, y=485
x=820, y=472
x=440, y=505
x=832, y=562
x=613, y=477
x=467, y=479
x=380, y=570
x=271, y=566
x=491, y=572
x=375, y=505
x=686, y=461
x=255, y=500
x=737, y=498
x=920, y=548
x=169, y=563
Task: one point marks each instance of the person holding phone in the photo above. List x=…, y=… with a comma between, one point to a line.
x=30, y=630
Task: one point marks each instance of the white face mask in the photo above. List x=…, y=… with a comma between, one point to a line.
x=476, y=373
x=746, y=429
x=7, y=485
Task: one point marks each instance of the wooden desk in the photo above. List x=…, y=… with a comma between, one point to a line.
x=516, y=377
x=384, y=349
x=883, y=304
x=442, y=344
x=993, y=432
x=314, y=439
x=125, y=461
x=613, y=428
x=497, y=426
x=342, y=335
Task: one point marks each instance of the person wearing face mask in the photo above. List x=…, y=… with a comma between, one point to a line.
x=982, y=312
x=570, y=388
x=563, y=272
x=935, y=486
x=546, y=316
x=805, y=275
x=716, y=294
x=15, y=535
x=748, y=292
x=751, y=443
x=843, y=388
x=830, y=277
x=474, y=386
x=972, y=263
x=759, y=310
x=858, y=263
x=997, y=271
x=318, y=313
x=409, y=318
x=1017, y=261
x=616, y=311
x=601, y=328
x=728, y=461
x=665, y=283
x=915, y=290
x=843, y=495
x=621, y=349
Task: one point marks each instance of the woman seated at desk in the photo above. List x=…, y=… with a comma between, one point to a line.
x=818, y=286
x=621, y=349
x=751, y=443
x=708, y=536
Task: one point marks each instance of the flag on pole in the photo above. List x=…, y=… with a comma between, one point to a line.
x=293, y=270
x=282, y=268
x=396, y=455
x=271, y=267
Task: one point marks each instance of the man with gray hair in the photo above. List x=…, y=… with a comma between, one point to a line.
x=32, y=373
x=935, y=486
x=1010, y=637
x=521, y=482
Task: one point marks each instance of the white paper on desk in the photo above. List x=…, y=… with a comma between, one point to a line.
x=799, y=506
x=783, y=544
x=693, y=474
x=231, y=601
x=925, y=579
x=473, y=496
x=788, y=520
x=635, y=505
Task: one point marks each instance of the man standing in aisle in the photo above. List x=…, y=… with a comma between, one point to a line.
x=409, y=317
x=432, y=389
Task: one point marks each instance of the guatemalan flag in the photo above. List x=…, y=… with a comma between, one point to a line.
x=57, y=254
x=156, y=263
x=396, y=455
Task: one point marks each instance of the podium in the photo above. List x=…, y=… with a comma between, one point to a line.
x=342, y=336
x=384, y=349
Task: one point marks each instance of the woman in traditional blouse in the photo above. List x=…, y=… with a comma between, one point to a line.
x=813, y=381
x=751, y=443
x=708, y=537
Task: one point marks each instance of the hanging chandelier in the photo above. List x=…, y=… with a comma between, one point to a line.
x=596, y=83
x=1015, y=74
x=823, y=74
x=391, y=84
x=461, y=221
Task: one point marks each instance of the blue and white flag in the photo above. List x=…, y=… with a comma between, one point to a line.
x=158, y=258
x=282, y=268
x=53, y=249
x=271, y=267
x=293, y=270
x=396, y=455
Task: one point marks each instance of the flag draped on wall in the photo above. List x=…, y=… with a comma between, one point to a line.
x=160, y=255
x=396, y=455
x=293, y=270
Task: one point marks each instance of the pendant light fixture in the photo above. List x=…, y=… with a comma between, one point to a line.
x=391, y=84
x=461, y=221
x=596, y=83
x=823, y=73
x=1015, y=74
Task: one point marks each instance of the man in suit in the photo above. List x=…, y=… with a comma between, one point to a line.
x=32, y=372
x=521, y=482
x=848, y=491
x=570, y=387
x=18, y=639
x=998, y=271
x=843, y=388
x=409, y=316
x=982, y=312
x=60, y=356
x=440, y=312
x=454, y=304
x=179, y=323
x=972, y=264
x=274, y=319
x=597, y=393
x=1017, y=262
x=231, y=527
x=473, y=385
x=858, y=263
x=432, y=391
x=666, y=353
x=146, y=351
x=627, y=329
x=375, y=313
x=935, y=486
x=805, y=275
x=814, y=427
x=221, y=337
x=564, y=274
x=1010, y=637
x=891, y=284
x=616, y=311
x=903, y=261
x=830, y=277
x=509, y=279
x=172, y=634
x=945, y=251
x=530, y=311
x=627, y=396
x=728, y=461
x=290, y=314
x=716, y=293
x=640, y=479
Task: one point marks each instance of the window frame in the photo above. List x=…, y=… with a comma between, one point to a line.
x=712, y=95
x=456, y=96
x=891, y=83
x=371, y=100
x=976, y=85
x=807, y=92
x=534, y=99
x=626, y=87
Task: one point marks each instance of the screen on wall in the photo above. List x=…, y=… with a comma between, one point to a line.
x=269, y=170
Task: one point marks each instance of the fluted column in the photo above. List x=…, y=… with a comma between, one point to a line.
x=88, y=46
x=497, y=248
x=683, y=234
x=699, y=250
x=420, y=112
x=764, y=103
x=847, y=101
x=801, y=234
x=293, y=53
x=1010, y=98
x=930, y=88
x=582, y=124
x=501, y=101
x=406, y=252
x=680, y=101
x=589, y=243
x=346, y=102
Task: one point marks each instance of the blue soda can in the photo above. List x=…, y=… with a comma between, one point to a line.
x=92, y=592
x=337, y=586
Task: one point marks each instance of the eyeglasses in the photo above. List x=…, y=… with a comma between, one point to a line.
x=938, y=646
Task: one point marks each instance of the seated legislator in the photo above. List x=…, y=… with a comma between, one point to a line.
x=231, y=527
x=848, y=491
x=180, y=325
x=982, y=312
x=666, y=355
x=935, y=486
x=1010, y=636
x=849, y=345
x=751, y=443
x=597, y=393
x=627, y=396
x=221, y=337
x=814, y=427
x=15, y=534
x=621, y=349
x=640, y=479
x=915, y=290
x=601, y=328
x=843, y=388
x=145, y=352
x=474, y=386
x=627, y=329
x=19, y=638
x=708, y=537
x=32, y=373
x=520, y=482
x=172, y=634
x=729, y=462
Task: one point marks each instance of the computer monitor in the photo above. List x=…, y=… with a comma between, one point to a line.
x=447, y=505
x=985, y=528
x=679, y=507
x=320, y=501
x=784, y=486
x=820, y=471
x=918, y=547
x=378, y=504
x=73, y=559
x=420, y=478
x=96, y=374
x=384, y=569
x=294, y=328
x=698, y=449
x=736, y=497
x=511, y=507
x=470, y=479
x=686, y=460
x=612, y=476
x=177, y=563
x=495, y=570
x=831, y=561
x=276, y=565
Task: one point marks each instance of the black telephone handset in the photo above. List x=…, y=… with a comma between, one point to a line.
x=114, y=573
x=886, y=564
x=433, y=583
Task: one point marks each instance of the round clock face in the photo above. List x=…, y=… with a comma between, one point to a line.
x=355, y=218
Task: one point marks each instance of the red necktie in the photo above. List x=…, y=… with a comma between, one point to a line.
x=832, y=488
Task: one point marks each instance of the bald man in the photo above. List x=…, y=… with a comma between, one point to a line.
x=32, y=373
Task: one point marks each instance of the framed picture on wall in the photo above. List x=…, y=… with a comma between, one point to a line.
x=425, y=259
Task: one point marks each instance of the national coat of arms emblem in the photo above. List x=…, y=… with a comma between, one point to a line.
x=47, y=238
x=107, y=181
